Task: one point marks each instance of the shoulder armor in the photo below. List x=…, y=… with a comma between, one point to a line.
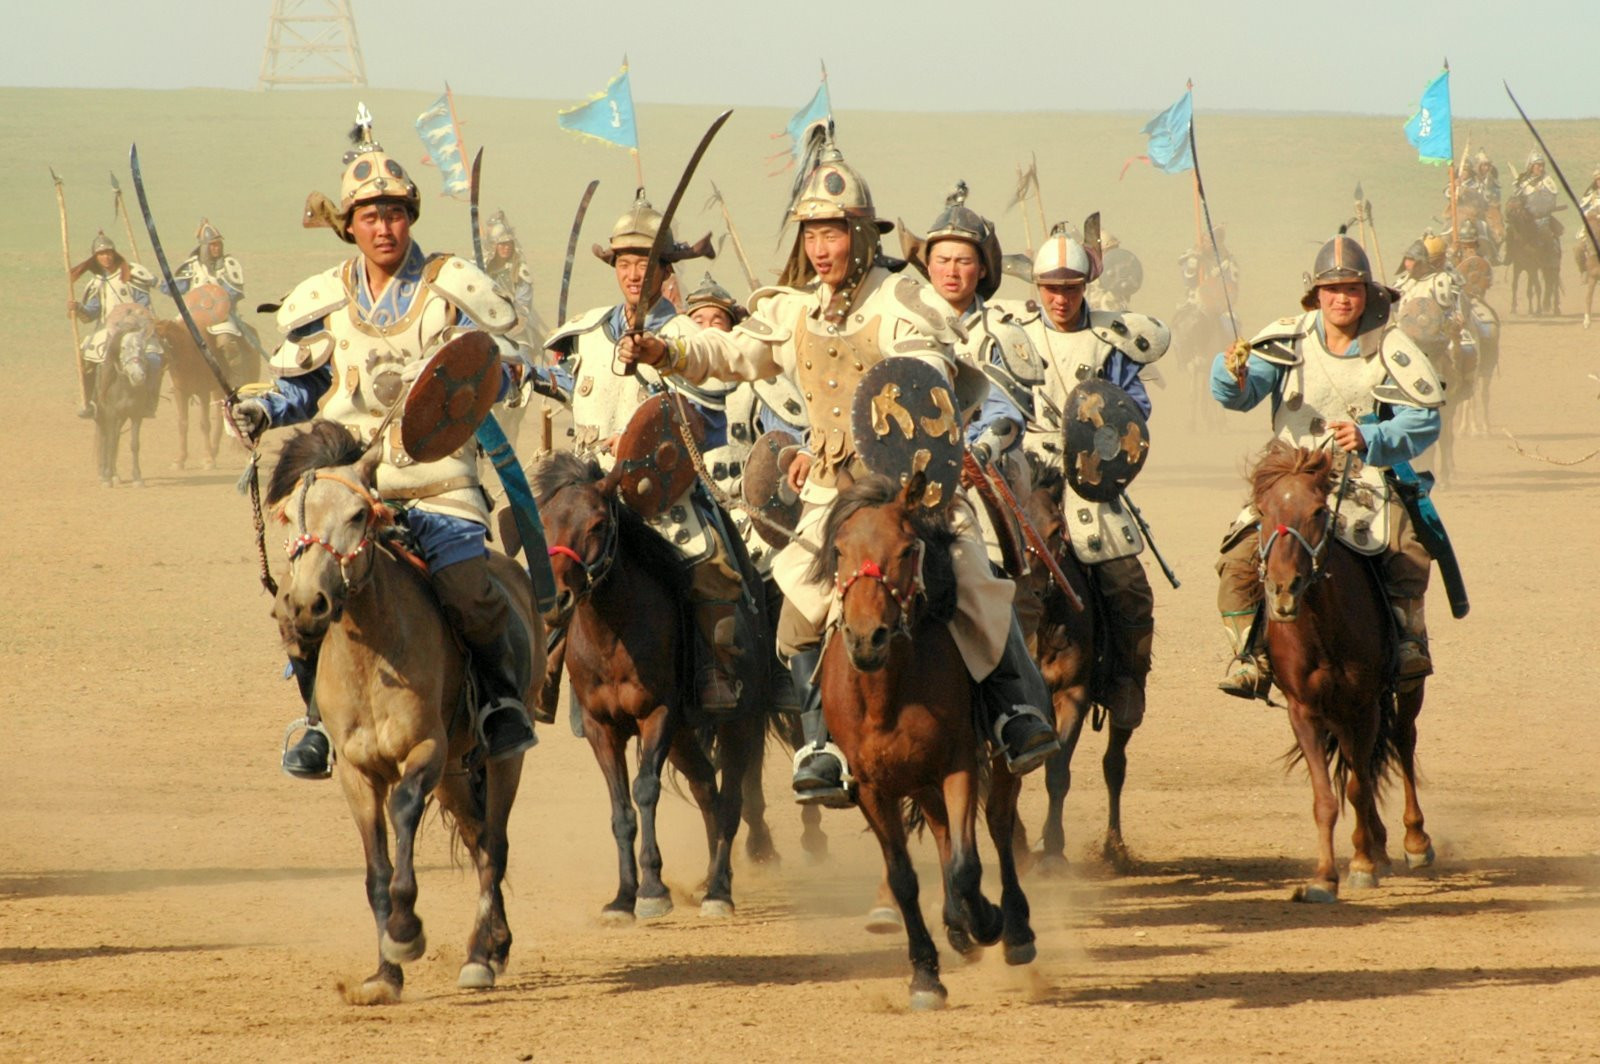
x=766, y=321
x=1412, y=379
x=233, y=272
x=316, y=297
x=782, y=396
x=471, y=290
x=910, y=294
x=294, y=359
x=1012, y=347
x=1276, y=343
x=572, y=328
x=139, y=276
x=1021, y=311
x=1139, y=337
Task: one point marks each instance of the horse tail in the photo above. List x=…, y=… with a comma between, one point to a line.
x=1385, y=752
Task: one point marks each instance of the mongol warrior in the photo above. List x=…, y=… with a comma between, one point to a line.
x=1482, y=177
x=836, y=311
x=209, y=264
x=589, y=376
x=1539, y=194
x=1338, y=375
x=113, y=281
x=1589, y=202
x=355, y=336
x=509, y=269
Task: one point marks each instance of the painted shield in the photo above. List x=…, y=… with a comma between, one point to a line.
x=1107, y=440
x=765, y=486
x=904, y=421
x=653, y=466
x=1476, y=274
x=451, y=397
x=208, y=304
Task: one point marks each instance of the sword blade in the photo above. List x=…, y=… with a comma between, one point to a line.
x=572, y=251
x=472, y=208
x=1593, y=242
x=650, y=291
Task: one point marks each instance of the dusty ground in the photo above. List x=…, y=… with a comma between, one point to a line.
x=166, y=894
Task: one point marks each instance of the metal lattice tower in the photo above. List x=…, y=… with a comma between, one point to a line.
x=312, y=42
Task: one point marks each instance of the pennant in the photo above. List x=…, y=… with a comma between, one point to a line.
x=440, y=136
x=607, y=116
x=1429, y=129
x=1168, y=150
x=820, y=109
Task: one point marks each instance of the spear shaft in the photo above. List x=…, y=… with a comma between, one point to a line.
x=72, y=291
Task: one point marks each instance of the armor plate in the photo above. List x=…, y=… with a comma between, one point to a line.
x=1139, y=337
x=471, y=290
x=765, y=487
x=904, y=421
x=1106, y=440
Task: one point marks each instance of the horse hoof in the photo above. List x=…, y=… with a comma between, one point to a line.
x=1315, y=894
x=1420, y=860
x=1357, y=880
x=616, y=917
x=402, y=952
x=963, y=944
x=373, y=992
x=1053, y=866
x=928, y=1000
x=209, y=463
x=716, y=909
x=653, y=908
x=1021, y=954
x=475, y=976
x=885, y=921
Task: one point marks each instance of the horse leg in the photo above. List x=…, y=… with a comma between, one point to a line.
x=1418, y=846
x=180, y=402
x=655, y=741
x=610, y=750
x=104, y=453
x=481, y=806
x=364, y=794
x=1368, y=838
x=758, y=844
x=690, y=759
x=1001, y=814
x=403, y=940
x=1114, y=766
x=1070, y=715
x=133, y=451
x=1324, y=883
x=210, y=430
x=964, y=869
x=883, y=816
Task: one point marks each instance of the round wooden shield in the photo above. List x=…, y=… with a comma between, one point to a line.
x=1106, y=440
x=904, y=420
x=765, y=485
x=451, y=397
x=653, y=466
x=208, y=304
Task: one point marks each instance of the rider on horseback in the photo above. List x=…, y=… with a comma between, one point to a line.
x=209, y=264
x=836, y=311
x=113, y=281
x=1341, y=374
x=355, y=336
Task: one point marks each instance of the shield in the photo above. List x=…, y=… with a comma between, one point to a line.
x=1107, y=440
x=904, y=420
x=765, y=485
x=653, y=465
x=208, y=304
x=451, y=397
x=1476, y=274
x=1123, y=274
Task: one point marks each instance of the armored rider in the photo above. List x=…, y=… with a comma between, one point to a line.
x=113, y=281
x=509, y=269
x=1341, y=375
x=209, y=264
x=355, y=336
x=1539, y=193
x=603, y=400
x=835, y=311
x=1078, y=344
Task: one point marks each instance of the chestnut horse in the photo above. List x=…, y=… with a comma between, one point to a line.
x=393, y=691
x=127, y=389
x=1330, y=638
x=192, y=381
x=622, y=596
x=899, y=704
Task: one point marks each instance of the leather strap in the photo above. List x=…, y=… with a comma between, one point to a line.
x=428, y=491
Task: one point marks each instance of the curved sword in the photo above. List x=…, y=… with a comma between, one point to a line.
x=472, y=209
x=572, y=251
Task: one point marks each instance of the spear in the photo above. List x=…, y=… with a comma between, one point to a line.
x=72, y=292
x=738, y=245
x=122, y=212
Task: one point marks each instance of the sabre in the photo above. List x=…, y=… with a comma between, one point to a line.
x=72, y=291
x=1205, y=207
x=1144, y=530
x=1036, y=544
x=1593, y=241
x=572, y=251
x=122, y=212
x=472, y=209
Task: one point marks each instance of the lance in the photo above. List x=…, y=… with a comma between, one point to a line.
x=72, y=290
x=572, y=251
x=1593, y=241
x=122, y=212
x=1038, y=196
x=738, y=245
x=1022, y=194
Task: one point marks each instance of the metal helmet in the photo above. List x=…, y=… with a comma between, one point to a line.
x=498, y=230
x=1416, y=251
x=101, y=243
x=206, y=233
x=1533, y=157
x=370, y=173
x=958, y=222
x=834, y=190
x=708, y=293
x=636, y=231
x=1062, y=260
x=1435, y=247
x=1340, y=261
x=1109, y=241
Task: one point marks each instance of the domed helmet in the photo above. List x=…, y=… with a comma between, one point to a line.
x=498, y=230
x=1534, y=157
x=101, y=243
x=1341, y=261
x=831, y=190
x=1435, y=247
x=958, y=222
x=636, y=231
x=1061, y=259
x=206, y=233
x=372, y=174
x=708, y=293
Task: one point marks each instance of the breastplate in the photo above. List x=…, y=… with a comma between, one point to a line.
x=828, y=366
x=1324, y=388
x=603, y=401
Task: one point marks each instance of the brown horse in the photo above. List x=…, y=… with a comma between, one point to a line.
x=192, y=381
x=1329, y=636
x=621, y=595
x=392, y=688
x=127, y=388
x=1534, y=251
x=1588, y=263
x=898, y=702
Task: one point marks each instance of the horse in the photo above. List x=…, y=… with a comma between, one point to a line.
x=1329, y=637
x=899, y=703
x=127, y=389
x=192, y=380
x=393, y=690
x=1588, y=263
x=1533, y=250
x=621, y=595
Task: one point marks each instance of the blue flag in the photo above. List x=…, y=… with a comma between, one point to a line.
x=1429, y=128
x=608, y=116
x=437, y=128
x=820, y=109
x=1169, y=137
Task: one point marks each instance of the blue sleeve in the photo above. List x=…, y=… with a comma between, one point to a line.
x=89, y=307
x=716, y=425
x=557, y=376
x=997, y=406
x=141, y=297
x=1409, y=432
x=1261, y=379
x=294, y=399
x=183, y=282
x=1124, y=373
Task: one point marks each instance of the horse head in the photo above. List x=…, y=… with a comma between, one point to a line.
x=322, y=488
x=581, y=525
x=1290, y=487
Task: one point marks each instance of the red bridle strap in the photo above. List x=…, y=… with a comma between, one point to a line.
x=871, y=570
x=561, y=550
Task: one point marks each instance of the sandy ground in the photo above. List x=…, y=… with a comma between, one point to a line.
x=166, y=894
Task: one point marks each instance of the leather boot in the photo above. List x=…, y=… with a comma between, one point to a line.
x=91, y=375
x=1414, y=662
x=821, y=776
x=718, y=686
x=501, y=718
x=311, y=758
x=1013, y=697
x=1249, y=672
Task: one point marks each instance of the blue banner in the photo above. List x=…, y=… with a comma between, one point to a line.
x=816, y=111
x=1169, y=137
x=608, y=116
x=437, y=128
x=1429, y=128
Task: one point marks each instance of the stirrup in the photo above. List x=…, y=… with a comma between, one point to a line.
x=1030, y=758
x=841, y=796
x=305, y=725
x=1241, y=686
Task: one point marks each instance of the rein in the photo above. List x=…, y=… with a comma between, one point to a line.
x=594, y=572
x=1318, y=553
x=871, y=570
x=378, y=516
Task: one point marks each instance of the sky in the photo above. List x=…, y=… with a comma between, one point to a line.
x=886, y=55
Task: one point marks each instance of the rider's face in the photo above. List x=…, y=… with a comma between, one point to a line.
x=383, y=233
x=827, y=248
x=955, y=271
x=1342, y=304
x=711, y=317
x=630, y=270
x=1063, y=303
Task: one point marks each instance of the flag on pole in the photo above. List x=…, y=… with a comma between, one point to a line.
x=820, y=109
x=607, y=116
x=1429, y=129
x=1168, y=150
x=440, y=135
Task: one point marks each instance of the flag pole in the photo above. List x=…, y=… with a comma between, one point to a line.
x=1038, y=200
x=1194, y=179
x=1455, y=218
x=455, y=123
x=1027, y=226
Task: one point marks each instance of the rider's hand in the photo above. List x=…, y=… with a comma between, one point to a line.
x=799, y=470
x=1237, y=360
x=1347, y=434
x=642, y=347
x=250, y=418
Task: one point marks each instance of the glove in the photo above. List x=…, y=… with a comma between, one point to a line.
x=250, y=419
x=995, y=439
x=1236, y=360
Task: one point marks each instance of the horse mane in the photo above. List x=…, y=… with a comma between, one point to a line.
x=1279, y=459
x=933, y=527
x=562, y=469
x=323, y=443
x=1045, y=476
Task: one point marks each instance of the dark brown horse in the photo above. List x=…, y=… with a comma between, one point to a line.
x=1535, y=252
x=392, y=688
x=622, y=595
x=898, y=702
x=192, y=382
x=127, y=388
x=1330, y=636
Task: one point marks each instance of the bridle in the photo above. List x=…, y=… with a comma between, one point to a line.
x=379, y=516
x=905, y=599
x=1317, y=552
x=596, y=571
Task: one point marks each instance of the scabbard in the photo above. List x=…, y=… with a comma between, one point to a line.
x=519, y=497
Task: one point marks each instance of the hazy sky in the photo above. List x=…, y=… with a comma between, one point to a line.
x=1001, y=55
